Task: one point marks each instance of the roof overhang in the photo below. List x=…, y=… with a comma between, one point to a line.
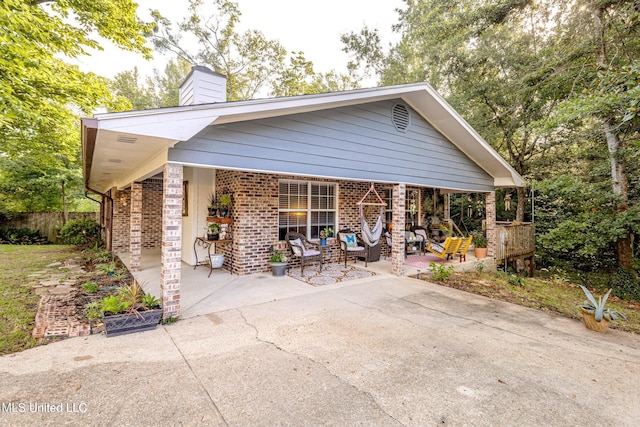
x=121, y=148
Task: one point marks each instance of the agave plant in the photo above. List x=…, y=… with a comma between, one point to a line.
x=597, y=307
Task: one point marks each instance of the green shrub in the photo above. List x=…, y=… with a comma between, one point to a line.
x=21, y=236
x=625, y=284
x=81, y=232
x=89, y=286
x=440, y=273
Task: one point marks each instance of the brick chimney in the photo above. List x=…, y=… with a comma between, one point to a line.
x=203, y=86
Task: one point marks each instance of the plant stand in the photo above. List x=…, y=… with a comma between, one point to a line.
x=121, y=324
x=590, y=322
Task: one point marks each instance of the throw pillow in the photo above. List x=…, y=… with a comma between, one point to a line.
x=349, y=239
x=296, y=246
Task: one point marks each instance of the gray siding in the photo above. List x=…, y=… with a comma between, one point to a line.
x=356, y=143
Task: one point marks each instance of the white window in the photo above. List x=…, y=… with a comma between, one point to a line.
x=306, y=207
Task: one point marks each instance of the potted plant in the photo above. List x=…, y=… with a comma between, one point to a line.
x=214, y=231
x=129, y=310
x=596, y=317
x=278, y=262
x=479, y=244
x=224, y=204
x=213, y=205
x=324, y=234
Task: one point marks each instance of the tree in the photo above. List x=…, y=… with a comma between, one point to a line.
x=492, y=44
x=607, y=89
x=161, y=90
x=531, y=76
x=40, y=93
x=300, y=79
x=36, y=86
x=251, y=62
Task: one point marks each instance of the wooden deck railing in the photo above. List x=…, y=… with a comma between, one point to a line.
x=515, y=240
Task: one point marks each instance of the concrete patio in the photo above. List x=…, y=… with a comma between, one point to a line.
x=221, y=291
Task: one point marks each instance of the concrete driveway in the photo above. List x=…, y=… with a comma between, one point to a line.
x=388, y=351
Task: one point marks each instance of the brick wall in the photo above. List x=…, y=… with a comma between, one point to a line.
x=121, y=219
x=255, y=218
x=151, y=216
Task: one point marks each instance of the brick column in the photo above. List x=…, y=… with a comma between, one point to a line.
x=135, y=228
x=397, y=234
x=490, y=203
x=171, y=259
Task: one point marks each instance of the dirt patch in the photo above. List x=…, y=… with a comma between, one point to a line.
x=552, y=297
x=68, y=288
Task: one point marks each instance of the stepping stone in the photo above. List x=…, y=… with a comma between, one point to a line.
x=61, y=290
x=54, y=264
x=50, y=283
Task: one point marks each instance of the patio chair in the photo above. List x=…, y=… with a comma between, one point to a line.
x=303, y=249
x=413, y=243
x=421, y=233
x=446, y=249
x=464, y=247
x=352, y=245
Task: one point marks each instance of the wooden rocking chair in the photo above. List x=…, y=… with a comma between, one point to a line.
x=446, y=249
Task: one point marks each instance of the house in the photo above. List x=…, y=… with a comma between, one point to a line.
x=291, y=163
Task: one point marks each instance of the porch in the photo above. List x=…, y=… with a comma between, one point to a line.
x=200, y=295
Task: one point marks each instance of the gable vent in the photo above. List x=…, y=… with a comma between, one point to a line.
x=400, y=117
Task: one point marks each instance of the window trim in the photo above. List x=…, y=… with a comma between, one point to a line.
x=308, y=209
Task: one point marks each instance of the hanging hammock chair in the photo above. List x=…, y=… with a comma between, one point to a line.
x=371, y=236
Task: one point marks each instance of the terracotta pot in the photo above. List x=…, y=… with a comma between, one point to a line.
x=590, y=321
x=480, y=252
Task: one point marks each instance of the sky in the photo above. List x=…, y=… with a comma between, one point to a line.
x=314, y=30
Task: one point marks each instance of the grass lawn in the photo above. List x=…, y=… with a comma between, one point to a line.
x=18, y=302
x=550, y=295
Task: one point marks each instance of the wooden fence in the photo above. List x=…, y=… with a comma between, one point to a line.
x=515, y=241
x=47, y=223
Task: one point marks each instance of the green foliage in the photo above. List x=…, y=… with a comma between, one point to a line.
x=224, y=201
x=106, y=268
x=598, y=307
x=479, y=265
x=161, y=90
x=440, y=272
x=278, y=256
x=515, y=280
x=89, y=286
x=625, y=284
x=251, y=62
x=479, y=240
x=21, y=236
x=40, y=93
x=114, y=304
x=150, y=301
x=81, y=232
x=94, y=310
x=577, y=222
x=128, y=299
